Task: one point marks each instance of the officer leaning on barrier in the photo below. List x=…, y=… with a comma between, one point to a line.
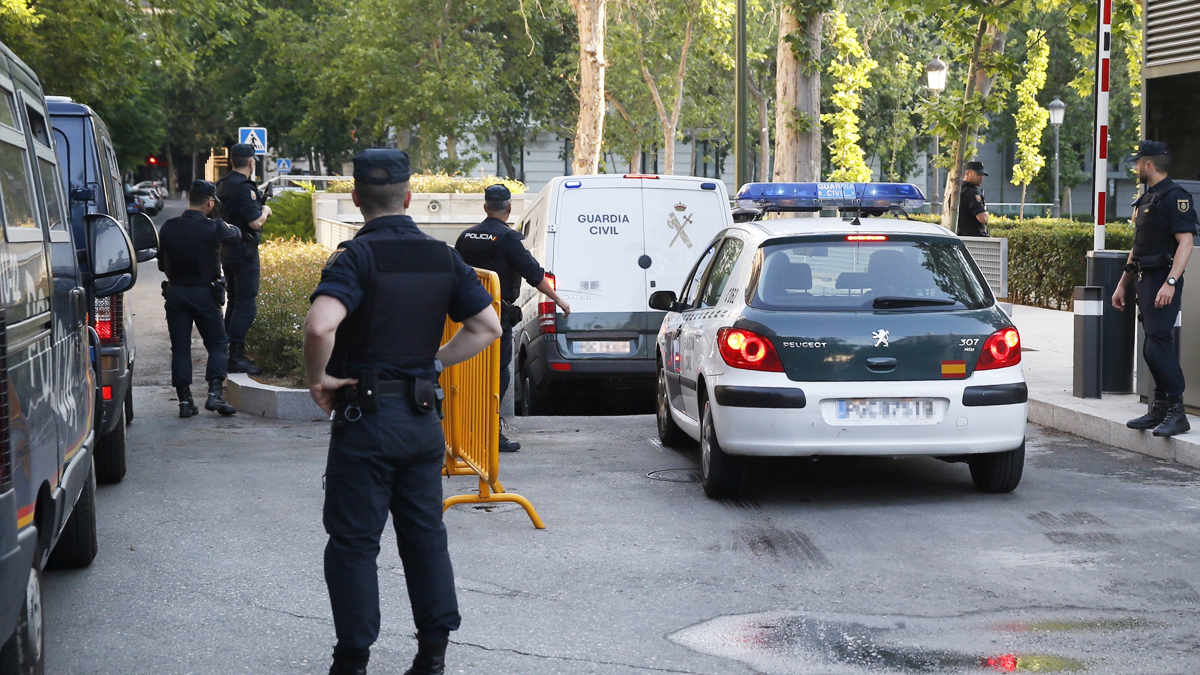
x=972, y=210
x=493, y=245
x=371, y=349
x=1165, y=224
x=190, y=255
x=241, y=208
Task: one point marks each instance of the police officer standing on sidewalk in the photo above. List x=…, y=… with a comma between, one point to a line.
x=1165, y=225
x=371, y=349
x=493, y=245
x=239, y=200
x=190, y=256
x=972, y=210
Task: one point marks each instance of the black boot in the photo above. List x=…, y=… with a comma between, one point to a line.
x=239, y=362
x=430, y=658
x=349, y=661
x=1176, y=421
x=187, y=407
x=1153, y=418
x=507, y=445
x=216, y=401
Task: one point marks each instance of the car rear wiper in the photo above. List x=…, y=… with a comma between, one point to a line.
x=892, y=302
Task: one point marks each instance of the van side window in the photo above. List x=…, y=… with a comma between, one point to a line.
x=116, y=198
x=15, y=186
x=37, y=126
x=696, y=276
x=722, y=268
x=7, y=111
x=54, y=202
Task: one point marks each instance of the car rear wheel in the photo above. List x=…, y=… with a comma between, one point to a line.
x=998, y=472
x=668, y=431
x=77, y=546
x=720, y=473
x=24, y=652
x=110, y=455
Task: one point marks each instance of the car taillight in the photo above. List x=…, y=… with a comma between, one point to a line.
x=1001, y=350
x=547, y=319
x=748, y=350
x=109, y=319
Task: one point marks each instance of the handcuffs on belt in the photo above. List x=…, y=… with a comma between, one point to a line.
x=425, y=397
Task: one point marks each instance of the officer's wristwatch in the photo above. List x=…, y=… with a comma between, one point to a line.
x=1171, y=281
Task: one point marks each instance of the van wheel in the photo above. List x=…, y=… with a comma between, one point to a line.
x=25, y=651
x=720, y=474
x=77, y=546
x=998, y=472
x=110, y=456
x=668, y=431
x=528, y=400
x=129, y=404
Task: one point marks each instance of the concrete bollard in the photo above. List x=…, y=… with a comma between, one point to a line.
x=1089, y=341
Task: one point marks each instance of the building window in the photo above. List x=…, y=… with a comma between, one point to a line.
x=568, y=150
x=649, y=161
x=707, y=159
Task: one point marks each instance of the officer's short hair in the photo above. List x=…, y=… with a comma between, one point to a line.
x=496, y=207
x=241, y=162
x=387, y=198
x=196, y=199
x=1161, y=162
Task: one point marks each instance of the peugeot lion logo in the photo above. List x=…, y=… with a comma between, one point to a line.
x=881, y=338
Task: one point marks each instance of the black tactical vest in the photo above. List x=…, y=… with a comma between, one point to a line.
x=400, y=321
x=1152, y=234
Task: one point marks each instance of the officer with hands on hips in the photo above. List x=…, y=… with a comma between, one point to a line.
x=371, y=350
x=190, y=256
x=1165, y=225
x=972, y=210
x=239, y=201
x=493, y=245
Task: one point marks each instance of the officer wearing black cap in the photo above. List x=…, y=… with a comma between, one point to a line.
x=972, y=210
x=190, y=255
x=493, y=245
x=371, y=349
x=1165, y=225
x=240, y=206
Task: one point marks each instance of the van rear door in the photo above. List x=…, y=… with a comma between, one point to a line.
x=597, y=245
x=679, y=218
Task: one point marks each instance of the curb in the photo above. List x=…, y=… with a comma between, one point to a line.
x=1184, y=449
x=265, y=400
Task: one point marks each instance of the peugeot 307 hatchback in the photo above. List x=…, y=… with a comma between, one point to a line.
x=828, y=336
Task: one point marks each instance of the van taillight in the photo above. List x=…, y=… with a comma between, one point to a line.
x=109, y=319
x=5, y=445
x=547, y=317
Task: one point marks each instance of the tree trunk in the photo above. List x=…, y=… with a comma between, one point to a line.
x=171, y=181
x=1024, y=189
x=798, y=103
x=669, y=121
x=764, y=131
x=635, y=160
x=959, y=147
x=452, y=151
x=589, y=133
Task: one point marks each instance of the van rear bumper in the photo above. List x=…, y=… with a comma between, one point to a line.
x=546, y=364
x=115, y=373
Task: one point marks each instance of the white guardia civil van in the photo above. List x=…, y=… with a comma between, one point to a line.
x=608, y=241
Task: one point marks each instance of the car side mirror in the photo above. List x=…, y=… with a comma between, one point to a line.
x=664, y=301
x=144, y=236
x=113, y=267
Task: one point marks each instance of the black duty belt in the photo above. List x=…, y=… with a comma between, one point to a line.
x=354, y=400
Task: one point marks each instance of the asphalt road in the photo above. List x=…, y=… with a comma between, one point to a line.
x=211, y=551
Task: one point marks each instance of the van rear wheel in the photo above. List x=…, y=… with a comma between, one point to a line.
x=528, y=402
x=25, y=651
x=110, y=455
x=77, y=546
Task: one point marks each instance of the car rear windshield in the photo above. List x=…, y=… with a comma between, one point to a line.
x=906, y=273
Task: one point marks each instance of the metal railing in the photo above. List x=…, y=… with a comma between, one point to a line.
x=991, y=256
x=320, y=182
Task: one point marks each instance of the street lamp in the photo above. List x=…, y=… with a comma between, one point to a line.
x=935, y=74
x=1058, y=110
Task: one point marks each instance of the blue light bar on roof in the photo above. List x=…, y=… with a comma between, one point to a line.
x=817, y=196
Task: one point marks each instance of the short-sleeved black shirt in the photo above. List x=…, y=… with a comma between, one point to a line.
x=348, y=271
x=189, y=248
x=240, y=207
x=1161, y=212
x=971, y=204
x=493, y=245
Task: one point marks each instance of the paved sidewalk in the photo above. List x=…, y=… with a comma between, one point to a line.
x=1048, y=339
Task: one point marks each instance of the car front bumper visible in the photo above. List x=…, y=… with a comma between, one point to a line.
x=765, y=414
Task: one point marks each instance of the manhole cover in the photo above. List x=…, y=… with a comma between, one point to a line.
x=675, y=475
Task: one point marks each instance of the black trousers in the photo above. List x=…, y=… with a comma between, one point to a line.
x=388, y=461
x=242, y=305
x=187, y=305
x=1159, y=324
x=506, y=356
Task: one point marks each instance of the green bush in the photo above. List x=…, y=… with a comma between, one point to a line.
x=443, y=183
x=290, y=271
x=291, y=216
x=1047, y=258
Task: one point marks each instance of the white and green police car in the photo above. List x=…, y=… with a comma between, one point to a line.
x=839, y=336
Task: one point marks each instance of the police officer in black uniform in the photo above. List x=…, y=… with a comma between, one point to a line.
x=190, y=255
x=493, y=245
x=972, y=210
x=239, y=201
x=1165, y=225
x=371, y=349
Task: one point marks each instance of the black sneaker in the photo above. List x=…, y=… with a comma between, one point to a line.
x=507, y=445
x=1176, y=422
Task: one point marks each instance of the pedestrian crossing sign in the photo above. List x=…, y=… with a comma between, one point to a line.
x=255, y=137
x=283, y=165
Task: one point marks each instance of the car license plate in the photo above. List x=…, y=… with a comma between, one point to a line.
x=602, y=347
x=886, y=409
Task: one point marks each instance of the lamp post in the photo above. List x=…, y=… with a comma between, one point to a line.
x=935, y=74
x=741, y=104
x=1058, y=110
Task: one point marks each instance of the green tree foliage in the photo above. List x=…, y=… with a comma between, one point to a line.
x=851, y=69
x=1031, y=117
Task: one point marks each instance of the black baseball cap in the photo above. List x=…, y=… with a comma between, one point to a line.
x=203, y=188
x=1152, y=149
x=497, y=193
x=241, y=150
x=975, y=166
x=381, y=166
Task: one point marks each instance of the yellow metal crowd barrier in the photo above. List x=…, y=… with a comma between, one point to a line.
x=472, y=418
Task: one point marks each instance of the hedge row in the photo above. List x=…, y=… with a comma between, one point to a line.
x=290, y=271
x=443, y=183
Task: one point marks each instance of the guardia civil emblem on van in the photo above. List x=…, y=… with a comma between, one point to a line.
x=674, y=223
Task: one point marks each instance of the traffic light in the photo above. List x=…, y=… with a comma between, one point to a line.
x=152, y=161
